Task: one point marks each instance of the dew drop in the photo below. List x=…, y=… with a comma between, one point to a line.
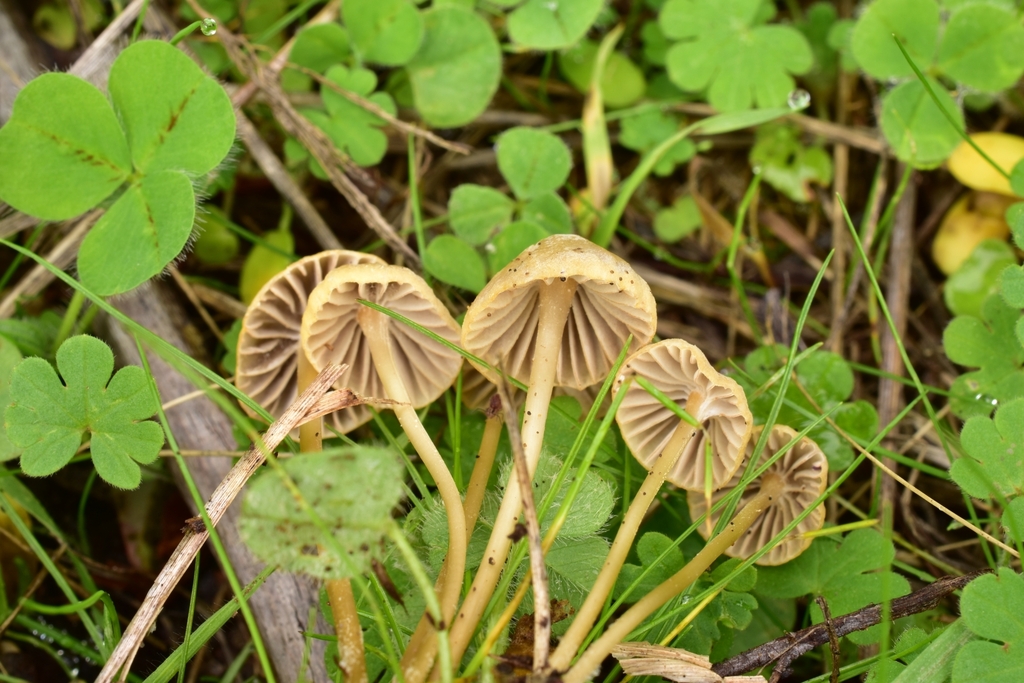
x=799, y=99
x=208, y=27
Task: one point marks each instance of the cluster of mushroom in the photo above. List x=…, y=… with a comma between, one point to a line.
x=557, y=316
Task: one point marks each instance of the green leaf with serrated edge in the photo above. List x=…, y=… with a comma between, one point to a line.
x=63, y=150
x=993, y=607
x=10, y=356
x=320, y=47
x=646, y=131
x=981, y=47
x=977, y=277
x=723, y=50
x=552, y=24
x=934, y=664
x=995, y=453
x=844, y=574
x=916, y=128
x=48, y=419
x=352, y=489
x=885, y=671
x=1011, y=283
x=622, y=83
x=787, y=165
x=147, y=226
x=572, y=565
x=650, y=546
x=455, y=262
x=677, y=221
x=354, y=130
x=176, y=117
x=476, y=212
x=511, y=242
x=34, y=336
x=456, y=71
x=548, y=211
x=383, y=31
x=990, y=344
x=1013, y=519
x=915, y=24
x=533, y=161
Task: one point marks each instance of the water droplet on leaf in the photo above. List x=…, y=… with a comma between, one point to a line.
x=799, y=99
x=208, y=27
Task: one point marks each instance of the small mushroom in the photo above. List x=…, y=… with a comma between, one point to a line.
x=784, y=490
x=803, y=470
x=268, y=345
x=393, y=360
x=667, y=447
x=557, y=315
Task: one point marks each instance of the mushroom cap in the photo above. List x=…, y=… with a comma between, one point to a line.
x=331, y=334
x=611, y=302
x=267, y=366
x=804, y=472
x=678, y=368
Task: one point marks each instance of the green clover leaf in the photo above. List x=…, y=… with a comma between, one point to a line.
x=677, y=221
x=354, y=130
x=978, y=277
x=622, y=83
x=988, y=342
x=915, y=23
x=352, y=489
x=995, y=453
x=915, y=127
x=644, y=132
x=552, y=24
x=534, y=162
x=475, y=212
x=980, y=47
x=843, y=573
x=993, y=606
x=10, y=356
x=383, y=31
x=454, y=261
x=48, y=419
x=725, y=50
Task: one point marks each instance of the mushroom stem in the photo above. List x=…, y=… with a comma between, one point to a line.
x=553, y=309
x=415, y=659
x=347, y=628
x=351, y=654
x=375, y=326
x=771, y=486
x=638, y=507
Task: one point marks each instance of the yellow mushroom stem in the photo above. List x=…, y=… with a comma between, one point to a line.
x=638, y=507
x=375, y=327
x=474, y=500
x=554, y=304
x=351, y=653
x=772, y=486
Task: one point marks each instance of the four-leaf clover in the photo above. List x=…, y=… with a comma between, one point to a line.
x=47, y=418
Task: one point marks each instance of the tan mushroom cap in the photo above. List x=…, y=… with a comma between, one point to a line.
x=679, y=368
x=331, y=334
x=610, y=303
x=804, y=472
x=268, y=345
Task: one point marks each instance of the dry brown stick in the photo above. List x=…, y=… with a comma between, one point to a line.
x=541, y=601
x=313, y=139
x=218, y=300
x=897, y=295
x=833, y=639
x=283, y=182
x=838, y=329
x=186, y=288
x=376, y=110
x=306, y=407
x=785, y=650
x=840, y=187
x=60, y=256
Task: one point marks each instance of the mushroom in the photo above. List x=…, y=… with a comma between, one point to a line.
x=975, y=217
x=804, y=470
x=268, y=345
x=665, y=445
x=557, y=315
x=393, y=360
x=786, y=488
x=971, y=169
